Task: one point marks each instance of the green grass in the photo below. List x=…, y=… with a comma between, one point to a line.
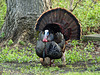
x=18, y=55
x=24, y=60
x=40, y=70
x=46, y=72
x=28, y=54
x=82, y=73
x=79, y=54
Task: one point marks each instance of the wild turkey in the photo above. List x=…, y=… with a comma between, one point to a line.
x=56, y=26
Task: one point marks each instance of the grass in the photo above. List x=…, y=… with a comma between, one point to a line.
x=27, y=53
x=23, y=60
x=18, y=55
x=40, y=70
x=69, y=73
x=82, y=73
x=78, y=53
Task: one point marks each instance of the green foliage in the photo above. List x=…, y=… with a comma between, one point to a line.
x=10, y=42
x=17, y=55
x=60, y=3
x=89, y=47
x=88, y=14
x=86, y=11
x=46, y=72
x=28, y=54
x=21, y=42
x=79, y=53
x=93, y=68
x=98, y=58
x=2, y=35
x=2, y=12
x=76, y=54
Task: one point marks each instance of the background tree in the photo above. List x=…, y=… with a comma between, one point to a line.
x=47, y=4
x=21, y=17
x=2, y=12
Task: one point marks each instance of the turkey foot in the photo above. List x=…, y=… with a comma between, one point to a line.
x=47, y=61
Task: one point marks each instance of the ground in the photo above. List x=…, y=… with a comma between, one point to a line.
x=90, y=61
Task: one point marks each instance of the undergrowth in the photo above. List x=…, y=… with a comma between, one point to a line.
x=27, y=53
x=79, y=53
x=17, y=54
x=26, y=56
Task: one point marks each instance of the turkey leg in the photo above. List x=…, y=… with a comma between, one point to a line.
x=63, y=59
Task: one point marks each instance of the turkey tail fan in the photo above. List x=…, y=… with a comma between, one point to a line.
x=60, y=20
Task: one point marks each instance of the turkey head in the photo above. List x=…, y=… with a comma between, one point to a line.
x=47, y=37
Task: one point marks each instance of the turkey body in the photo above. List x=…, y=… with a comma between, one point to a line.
x=52, y=48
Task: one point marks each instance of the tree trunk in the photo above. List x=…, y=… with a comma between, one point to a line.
x=21, y=18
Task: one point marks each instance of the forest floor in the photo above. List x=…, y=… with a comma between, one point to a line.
x=89, y=66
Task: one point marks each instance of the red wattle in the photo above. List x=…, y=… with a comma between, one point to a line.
x=45, y=40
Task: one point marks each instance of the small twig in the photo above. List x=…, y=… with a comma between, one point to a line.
x=75, y=5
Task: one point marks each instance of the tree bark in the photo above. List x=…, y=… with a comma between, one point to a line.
x=21, y=17
x=47, y=4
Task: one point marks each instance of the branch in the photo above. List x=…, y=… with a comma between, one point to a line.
x=75, y=5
